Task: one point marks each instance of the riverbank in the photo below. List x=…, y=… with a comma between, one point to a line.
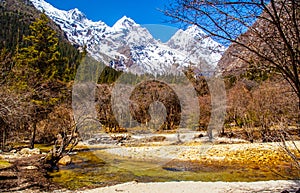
x=203, y=187
x=192, y=161
x=195, y=166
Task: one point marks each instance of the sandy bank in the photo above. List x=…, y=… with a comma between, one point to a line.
x=200, y=187
x=194, y=152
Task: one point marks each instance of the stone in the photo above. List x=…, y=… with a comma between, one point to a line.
x=66, y=160
x=27, y=151
x=13, y=151
x=29, y=168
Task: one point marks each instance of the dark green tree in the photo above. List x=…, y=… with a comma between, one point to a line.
x=41, y=53
x=35, y=72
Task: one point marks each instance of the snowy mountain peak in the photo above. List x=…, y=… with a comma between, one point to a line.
x=127, y=46
x=192, y=32
x=193, y=29
x=77, y=15
x=124, y=23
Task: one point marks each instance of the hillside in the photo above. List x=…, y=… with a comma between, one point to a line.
x=15, y=18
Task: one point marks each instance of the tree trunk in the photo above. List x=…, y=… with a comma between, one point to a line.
x=33, y=133
x=3, y=138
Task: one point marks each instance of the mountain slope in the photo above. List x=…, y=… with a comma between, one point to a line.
x=15, y=18
x=129, y=47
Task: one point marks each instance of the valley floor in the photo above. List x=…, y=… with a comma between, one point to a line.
x=244, y=158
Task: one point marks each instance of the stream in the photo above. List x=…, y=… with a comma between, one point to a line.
x=97, y=168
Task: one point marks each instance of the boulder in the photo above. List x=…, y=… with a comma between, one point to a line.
x=27, y=151
x=66, y=160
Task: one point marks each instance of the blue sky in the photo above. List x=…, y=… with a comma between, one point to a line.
x=144, y=12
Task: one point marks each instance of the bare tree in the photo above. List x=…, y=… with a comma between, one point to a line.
x=263, y=34
x=13, y=116
x=270, y=31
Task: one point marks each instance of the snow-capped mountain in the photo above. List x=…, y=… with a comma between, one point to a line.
x=196, y=45
x=130, y=47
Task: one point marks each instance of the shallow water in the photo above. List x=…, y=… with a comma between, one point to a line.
x=97, y=168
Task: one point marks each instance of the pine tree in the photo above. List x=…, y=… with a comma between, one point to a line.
x=41, y=53
x=35, y=72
